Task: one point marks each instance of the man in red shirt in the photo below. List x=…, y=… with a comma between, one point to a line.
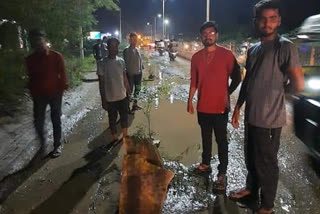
x=211, y=69
x=47, y=81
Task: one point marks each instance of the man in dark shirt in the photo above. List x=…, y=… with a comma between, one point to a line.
x=269, y=63
x=47, y=81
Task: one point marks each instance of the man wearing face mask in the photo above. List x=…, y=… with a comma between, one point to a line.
x=270, y=63
x=211, y=69
x=47, y=81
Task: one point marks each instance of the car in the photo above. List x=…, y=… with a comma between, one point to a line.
x=310, y=29
x=306, y=105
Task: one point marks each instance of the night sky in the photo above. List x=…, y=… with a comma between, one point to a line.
x=187, y=15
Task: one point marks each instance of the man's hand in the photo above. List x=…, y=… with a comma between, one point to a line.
x=104, y=104
x=190, y=107
x=235, y=117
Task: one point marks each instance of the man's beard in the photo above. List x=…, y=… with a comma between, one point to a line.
x=262, y=33
x=208, y=43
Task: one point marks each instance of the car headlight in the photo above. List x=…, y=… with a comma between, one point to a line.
x=314, y=83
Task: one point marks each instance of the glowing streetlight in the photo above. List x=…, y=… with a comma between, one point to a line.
x=166, y=22
x=116, y=33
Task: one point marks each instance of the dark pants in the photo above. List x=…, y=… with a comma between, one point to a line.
x=262, y=162
x=135, y=81
x=218, y=124
x=39, y=113
x=114, y=108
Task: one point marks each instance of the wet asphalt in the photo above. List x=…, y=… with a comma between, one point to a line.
x=86, y=178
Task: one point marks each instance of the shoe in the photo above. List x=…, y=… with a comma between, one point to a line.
x=219, y=186
x=264, y=211
x=57, y=152
x=239, y=194
x=202, y=169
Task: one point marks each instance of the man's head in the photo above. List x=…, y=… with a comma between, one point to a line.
x=37, y=40
x=209, y=33
x=133, y=39
x=267, y=17
x=104, y=39
x=113, y=46
x=98, y=41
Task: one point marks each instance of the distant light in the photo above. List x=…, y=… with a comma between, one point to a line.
x=166, y=21
x=303, y=37
x=314, y=84
x=148, y=23
x=186, y=46
x=48, y=45
x=159, y=15
x=116, y=33
x=139, y=36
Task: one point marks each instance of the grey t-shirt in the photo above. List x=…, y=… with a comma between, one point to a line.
x=267, y=66
x=112, y=71
x=133, y=61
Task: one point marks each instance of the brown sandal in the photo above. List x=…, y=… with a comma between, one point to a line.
x=202, y=168
x=239, y=194
x=264, y=211
x=219, y=186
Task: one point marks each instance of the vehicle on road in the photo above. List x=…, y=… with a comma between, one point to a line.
x=307, y=104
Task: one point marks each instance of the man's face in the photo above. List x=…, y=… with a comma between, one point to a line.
x=209, y=37
x=38, y=44
x=113, y=48
x=133, y=40
x=268, y=22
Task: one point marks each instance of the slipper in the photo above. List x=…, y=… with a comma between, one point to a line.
x=219, y=186
x=202, y=169
x=239, y=194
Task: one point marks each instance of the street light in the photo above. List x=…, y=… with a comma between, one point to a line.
x=166, y=22
x=116, y=33
x=155, y=25
x=208, y=10
x=148, y=23
x=163, y=24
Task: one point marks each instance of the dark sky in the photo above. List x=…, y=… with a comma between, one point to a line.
x=187, y=15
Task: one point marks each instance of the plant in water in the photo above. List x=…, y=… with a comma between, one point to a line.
x=149, y=95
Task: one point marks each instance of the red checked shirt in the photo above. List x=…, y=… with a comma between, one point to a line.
x=210, y=74
x=46, y=73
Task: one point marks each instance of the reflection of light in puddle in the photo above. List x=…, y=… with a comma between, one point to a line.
x=171, y=98
x=160, y=75
x=156, y=103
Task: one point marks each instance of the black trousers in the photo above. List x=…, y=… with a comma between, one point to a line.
x=261, y=151
x=114, y=108
x=135, y=82
x=218, y=124
x=39, y=114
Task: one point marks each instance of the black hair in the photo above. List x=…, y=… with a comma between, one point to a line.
x=112, y=40
x=208, y=25
x=35, y=33
x=132, y=35
x=265, y=4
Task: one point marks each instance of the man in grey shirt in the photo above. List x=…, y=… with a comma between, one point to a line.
x=114, y=87
x=134, y=68
x=273, y=68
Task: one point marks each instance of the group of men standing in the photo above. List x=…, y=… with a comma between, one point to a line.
x=272, y=70
x=118, y=77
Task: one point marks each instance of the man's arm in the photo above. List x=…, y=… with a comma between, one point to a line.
x=296, y=79
x=126, y=83
x=62, y=73
x=193, y=86
x=294, y=71
x=235, y=77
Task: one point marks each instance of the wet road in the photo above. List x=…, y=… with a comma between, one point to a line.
x=86, y=178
